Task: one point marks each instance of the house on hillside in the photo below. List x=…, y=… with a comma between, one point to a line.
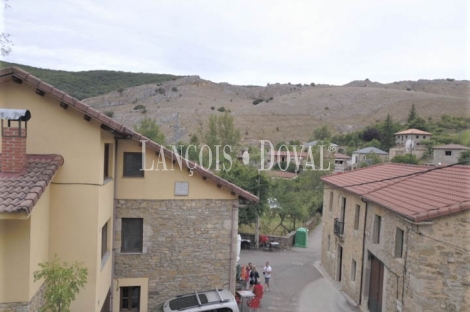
x=364, y=154
x=71, y=184
x=414, y=137
x=448, y=154
x=342, y=162
x=395, y=237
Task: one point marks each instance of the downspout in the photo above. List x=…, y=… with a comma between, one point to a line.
x=232, y=259
x=363, y=250
x=113, y=244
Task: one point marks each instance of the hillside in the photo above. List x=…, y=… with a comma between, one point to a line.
x=293, y=112
x=288, y=112
x=85, y=84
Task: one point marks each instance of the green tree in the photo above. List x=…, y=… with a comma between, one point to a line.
x=321, y=133
x=149, y=128
x=412, y=114
x=387, y=134
x=254, y=182
x=222, y=131
x=405, y=159
x=465, y=157
x=371, y=159
x=63, y=281
x=418, y=123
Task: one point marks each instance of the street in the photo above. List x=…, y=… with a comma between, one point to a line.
x=296, y=284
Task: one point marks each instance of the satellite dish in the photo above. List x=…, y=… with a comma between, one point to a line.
x=409, y=145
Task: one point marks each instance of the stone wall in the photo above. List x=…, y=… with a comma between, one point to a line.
x=351, y=240
x=187, y=245
x=34, y=305
x=438, y=266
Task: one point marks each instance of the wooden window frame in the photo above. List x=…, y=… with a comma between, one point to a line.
x=107, y=150
x=399, y=240
x=377, y=228
x=139, y=236
x=356, y=217
x=125, y=172
x=129, y=298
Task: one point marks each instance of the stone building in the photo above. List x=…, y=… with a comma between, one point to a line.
x=72, y=185
x=448, y=154
x=415, y=135
x=396, y=236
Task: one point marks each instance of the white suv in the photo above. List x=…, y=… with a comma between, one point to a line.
x=217, y=300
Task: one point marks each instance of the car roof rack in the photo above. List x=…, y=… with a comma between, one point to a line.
x=199, y=301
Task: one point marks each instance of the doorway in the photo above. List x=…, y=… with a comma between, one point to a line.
x=376, y=285
x=339, y=268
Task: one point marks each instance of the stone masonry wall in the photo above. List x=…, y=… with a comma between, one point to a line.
x=34, y=305
x=187, y=245
x=351, y=242
x=438, y=266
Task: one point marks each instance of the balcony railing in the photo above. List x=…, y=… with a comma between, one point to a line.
x=338, y=228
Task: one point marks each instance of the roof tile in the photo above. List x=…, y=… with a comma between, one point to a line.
x=418, y=193
x=22, y=191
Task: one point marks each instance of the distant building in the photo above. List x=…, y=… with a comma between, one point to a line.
x=342, y=162
x=363, y=154
x=448, y=154
x=411, y=134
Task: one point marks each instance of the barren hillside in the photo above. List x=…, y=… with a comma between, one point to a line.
x=291, y=112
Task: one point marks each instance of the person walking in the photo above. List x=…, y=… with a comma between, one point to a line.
x=267, y=270
x=248, y=275
x=254, y=277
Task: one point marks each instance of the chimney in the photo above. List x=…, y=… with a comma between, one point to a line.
x=14, y=139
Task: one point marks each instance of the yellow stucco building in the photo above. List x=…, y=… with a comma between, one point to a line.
x=76, y=191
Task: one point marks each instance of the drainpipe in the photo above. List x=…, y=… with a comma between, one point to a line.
x=363, y=250
x=234, y=209
x=113, y=243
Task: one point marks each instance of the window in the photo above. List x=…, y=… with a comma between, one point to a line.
x=353, y=270
x=448, y=153
x=417, y=136
x=331, y=200
x=376, y=233
x=329, y=246
x=133, y=165
x=399, y=243
x=343, y=209
x=356, y=217
x=130, y=298
x=131, y=235
x=104, y=240
x=106, y=161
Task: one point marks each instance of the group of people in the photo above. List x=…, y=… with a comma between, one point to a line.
x=252, y=277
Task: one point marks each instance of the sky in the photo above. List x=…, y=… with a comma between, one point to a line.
x=241, y=42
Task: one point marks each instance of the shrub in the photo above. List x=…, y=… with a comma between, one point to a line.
x=257, y=101
x=160, y=90
x=139, y=106
x=110, y=114
x=221, y=109
x=120, y=90
x=327, y=108
x=174, y=89
x=212, y=107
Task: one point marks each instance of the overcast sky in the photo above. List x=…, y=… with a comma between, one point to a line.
x=251, y=42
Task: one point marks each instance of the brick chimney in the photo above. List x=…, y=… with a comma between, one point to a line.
x=14, y=140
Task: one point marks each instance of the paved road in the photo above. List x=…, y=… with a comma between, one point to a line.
x=296, y=284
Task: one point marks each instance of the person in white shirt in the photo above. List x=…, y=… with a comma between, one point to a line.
x=267, y=270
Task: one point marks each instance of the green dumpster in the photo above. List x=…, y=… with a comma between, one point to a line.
x=301, y=237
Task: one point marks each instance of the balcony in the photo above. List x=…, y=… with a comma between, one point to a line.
x=338, y=228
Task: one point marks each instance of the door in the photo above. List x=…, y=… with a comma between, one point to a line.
x=376, y=285
x=340, y=262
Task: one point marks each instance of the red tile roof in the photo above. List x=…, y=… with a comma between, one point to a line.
x=21, y=191
x=281, y=174
x=414, y=131
x=117, y=127
x=418, y=193
x=341, y=156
